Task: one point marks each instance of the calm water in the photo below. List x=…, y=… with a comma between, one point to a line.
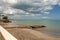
x=53, y=26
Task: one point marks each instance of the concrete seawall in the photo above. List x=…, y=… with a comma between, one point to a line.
x=6, y=34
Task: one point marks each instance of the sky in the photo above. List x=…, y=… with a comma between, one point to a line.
x=30, y=9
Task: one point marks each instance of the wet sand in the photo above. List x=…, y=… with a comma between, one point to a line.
x=27, y=33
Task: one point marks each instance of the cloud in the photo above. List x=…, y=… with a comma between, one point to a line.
x=45, y=17
x=27, y=7
x=12, y=1
x=9, y=11
x=46, y=13
x=36, y=5
x=59, y=4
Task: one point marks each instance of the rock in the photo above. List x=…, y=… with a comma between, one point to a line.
x=37, y=26
x=43, y=26
x=6, y=21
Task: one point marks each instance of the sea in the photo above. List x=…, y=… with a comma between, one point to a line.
x=52, y=26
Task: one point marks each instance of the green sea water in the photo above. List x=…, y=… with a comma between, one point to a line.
x=53, y=26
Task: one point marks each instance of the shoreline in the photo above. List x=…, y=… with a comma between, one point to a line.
x=47, y=31
x=27, y=33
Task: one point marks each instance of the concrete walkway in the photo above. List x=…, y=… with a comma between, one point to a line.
x=6, y=34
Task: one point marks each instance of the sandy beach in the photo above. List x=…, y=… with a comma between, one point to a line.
x=29, y=19
x=27, y=33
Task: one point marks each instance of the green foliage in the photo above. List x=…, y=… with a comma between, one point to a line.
x=4, y=17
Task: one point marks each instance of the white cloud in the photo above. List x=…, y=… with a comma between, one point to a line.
x=59, y=3
x=32, y=14
x=12, y=1
x=34, y=7
x=27, y=13
x=46, y=12
x=45, y=17
x=1, y=8
x=48, y=8
x=43, y=5
x=15, y=17
x=9, y=11
x=50, y=2
x=38, y=14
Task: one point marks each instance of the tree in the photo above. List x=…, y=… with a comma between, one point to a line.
x=5, y=17
x=0, y=16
